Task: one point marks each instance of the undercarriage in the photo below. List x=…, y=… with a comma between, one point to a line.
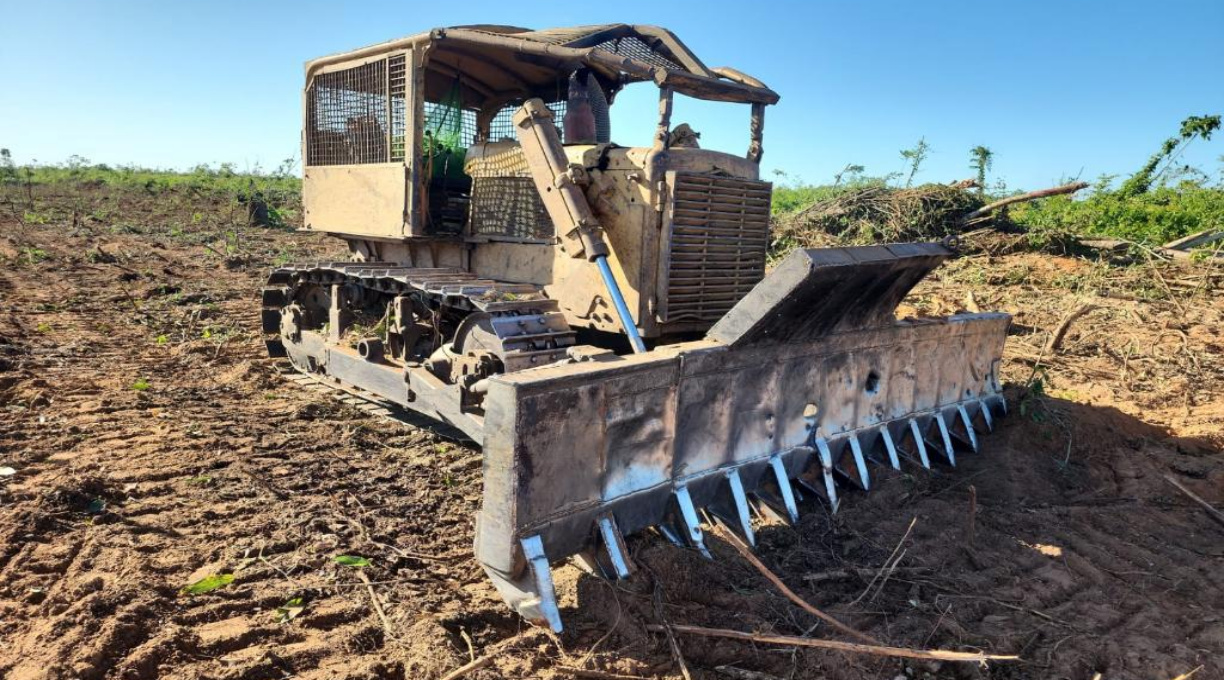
x=427, y=339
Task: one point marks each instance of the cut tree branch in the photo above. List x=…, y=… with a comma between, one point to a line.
x=1020, y=198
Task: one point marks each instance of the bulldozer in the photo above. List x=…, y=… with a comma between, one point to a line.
x=604, y=320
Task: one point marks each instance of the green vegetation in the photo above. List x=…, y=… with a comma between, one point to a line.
x=352, y=560
x=224, y=178
x=1160, y=202
x=207, y=584
x=290, y=610
x=1150, y=218
x=255, y=197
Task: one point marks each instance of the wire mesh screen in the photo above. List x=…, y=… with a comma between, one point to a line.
x=502, y=126
x=397, y=84
x=351, y=117
x=509, y=208
x=631, y=46
x=505, y=202
x=438, y=116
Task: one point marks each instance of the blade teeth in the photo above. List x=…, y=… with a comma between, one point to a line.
x=826, y=462
x=968, y=423
x=692, y=523
x=785, y=488
x=533, y=549
x=891, y=447
x=614, y=542
x=984, y=409
x=741, y=505
x=947, y=439
x=857, y=450
x=919, y=443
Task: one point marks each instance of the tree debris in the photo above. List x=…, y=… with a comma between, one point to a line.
x=877, y=650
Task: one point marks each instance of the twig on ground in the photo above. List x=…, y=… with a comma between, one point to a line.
x=1060, y=333
x=791, y=640
x=742, y=674
x=886, y=562
x=971, y=522
x=1189, y=674
x=1164, y=282
x=382, y=616
x=887, y=575
x=1215, y=514
x=677, y=656
x=483, y=661
x=619, y=610
x=858, y=572
x=598, y=675
x=790, y=594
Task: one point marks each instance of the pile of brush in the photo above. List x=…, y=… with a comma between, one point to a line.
x=880, y=214
x=877, y=213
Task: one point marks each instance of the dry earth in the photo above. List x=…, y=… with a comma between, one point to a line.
x=153, y=445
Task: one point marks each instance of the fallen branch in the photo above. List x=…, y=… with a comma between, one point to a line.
x=859, y=572
x=1021, y=198
x=790, y=595
x=877, y=650
x=1060, y=333
x=483, y=661
x=382, y=615
x=1215, y=514
x=469, y=667
x=888, y=574
x=888, y=563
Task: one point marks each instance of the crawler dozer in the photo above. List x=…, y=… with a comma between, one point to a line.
x=601, y=319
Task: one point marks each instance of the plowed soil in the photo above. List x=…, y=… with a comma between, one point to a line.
x=153, y=445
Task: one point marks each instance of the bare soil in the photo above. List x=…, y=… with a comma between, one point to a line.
x=154, y=445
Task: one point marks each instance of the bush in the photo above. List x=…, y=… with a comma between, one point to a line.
x=1152, y=218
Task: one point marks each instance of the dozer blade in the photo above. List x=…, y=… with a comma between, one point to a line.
x=808, y=380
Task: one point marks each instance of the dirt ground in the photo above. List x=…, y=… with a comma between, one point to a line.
x=153, y=445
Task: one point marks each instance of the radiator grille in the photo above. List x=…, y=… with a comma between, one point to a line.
x=716, y=245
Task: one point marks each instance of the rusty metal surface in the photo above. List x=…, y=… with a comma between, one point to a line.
x=815, y=292
x=564, y=446
x=801, y=390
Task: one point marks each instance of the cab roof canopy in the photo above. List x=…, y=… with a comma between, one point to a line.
x=505, y=63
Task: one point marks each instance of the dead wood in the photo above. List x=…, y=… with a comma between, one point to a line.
x=887, y=563
x=794, y=641
x=1215, y=514
x=1021, y=198
x=790, y=594
x=482, y=661
x=1060, y=333
x=859, y=572
x=598, y=675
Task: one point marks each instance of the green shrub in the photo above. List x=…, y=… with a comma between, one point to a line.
x=1153, y=218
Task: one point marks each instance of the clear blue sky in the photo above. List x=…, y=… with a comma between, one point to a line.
x=1056, y=89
